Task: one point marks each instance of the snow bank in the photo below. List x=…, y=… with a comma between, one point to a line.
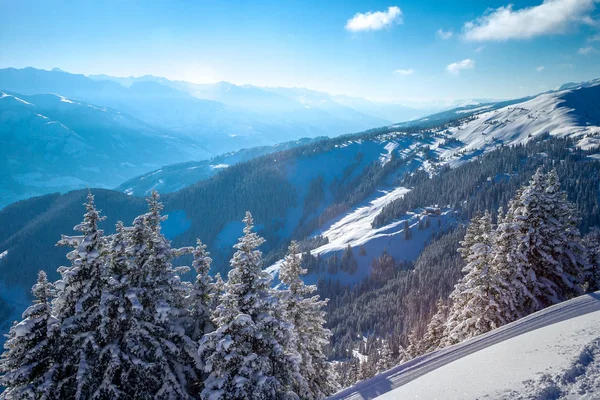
x=549, y=354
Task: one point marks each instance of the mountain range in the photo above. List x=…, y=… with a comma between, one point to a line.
x=58, y=121
x=353, y=193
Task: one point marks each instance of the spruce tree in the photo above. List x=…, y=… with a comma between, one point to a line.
x=386, y=357
x=156, y=298
x=119, y=371
x=146, y=352
x=304, y=310
x=77, y=307
x=511, y=269
x=481, y=301
x=550, y=243
x=201, y=297
x=434, y=335
x=248, y=356
x=414, y=348
x=27, y=363
x=592, y=273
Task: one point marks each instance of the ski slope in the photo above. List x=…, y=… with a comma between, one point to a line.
x=551, y=354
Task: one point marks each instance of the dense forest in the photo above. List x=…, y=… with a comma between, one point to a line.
x=204, y=209
x=401, y=310
x=121, y=324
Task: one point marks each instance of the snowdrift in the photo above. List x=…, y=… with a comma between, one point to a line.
x=551, y=354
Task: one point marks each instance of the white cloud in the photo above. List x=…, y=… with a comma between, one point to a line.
x=409, y=71
x=594, y=38
x=566, y=66
x=586, y=50
x=540, y=68
x=550, y=17
x=456, y=67
x=479, y=49
x=374, y=20
x=444, y=34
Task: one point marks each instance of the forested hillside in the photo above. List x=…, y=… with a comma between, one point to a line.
x=378, y=216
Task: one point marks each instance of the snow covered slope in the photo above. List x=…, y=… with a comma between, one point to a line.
x=573, y=112
x=355, y=229
x=551, y=354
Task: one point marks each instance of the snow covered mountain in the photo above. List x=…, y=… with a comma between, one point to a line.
x=574, y=113
x=225, y=116
x=52, y=143
x=551, y=354
x=339, y=188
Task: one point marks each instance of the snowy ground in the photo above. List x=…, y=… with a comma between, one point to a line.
x=354, y=229
x=552, y=354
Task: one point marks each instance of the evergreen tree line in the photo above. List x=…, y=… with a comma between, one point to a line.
x=120, y=323
x=532, y=258
x=492, y=180
x=391, y=308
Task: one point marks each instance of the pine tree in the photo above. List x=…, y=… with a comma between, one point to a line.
x=550, y=242
x=434, y=335
x=201, y=297
x=77, y=306
x=247, y=356
x=118, y=369
x=386, y=357
x=414, y=348
x=219, y=289
x=511, y=269
x=146, y=352
x=305, y=311
x=592, y=274
x=481, y=301
x=27, y=363
x=157, y=301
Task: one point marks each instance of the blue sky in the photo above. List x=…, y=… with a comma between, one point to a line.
x=427, y=49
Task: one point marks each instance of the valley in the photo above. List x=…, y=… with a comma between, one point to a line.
x=375, y=213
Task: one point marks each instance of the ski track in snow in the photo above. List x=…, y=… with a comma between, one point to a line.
x=547, y=355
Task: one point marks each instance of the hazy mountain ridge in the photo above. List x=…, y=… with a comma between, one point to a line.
x=52, y=143
x=171, y=178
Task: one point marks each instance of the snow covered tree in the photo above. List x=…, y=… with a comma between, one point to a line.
x=549, y=241
x=386, y=357
x=414, y=348
x=156, y=297
x=434, y=335
x=27, y=363
x=510, y=269
x=304, y=311
x=248, y=356
x=592, y=273
x=219, y=289
x=77, y=306
x=146, y=353
x=201, y=297
x=481, y=300
x=368, y=365
x=471, y=236
x=117, y=368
